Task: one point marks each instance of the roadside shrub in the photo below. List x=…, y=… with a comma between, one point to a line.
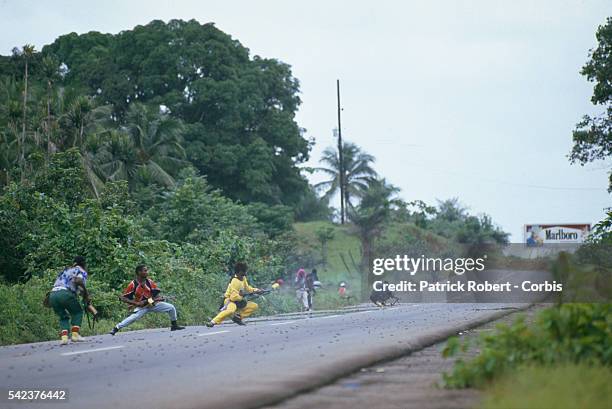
x=571, y=333
x=22, y=316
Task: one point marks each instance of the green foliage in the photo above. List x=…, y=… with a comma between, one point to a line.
x=238, y=112
x=311, y=207
x=192, y=276
x=64, y=179
x=325, y=234
x=571, y=333
x=358, y=173
x=602, y=231
x=274, y=220
x=142, y=104
x=453, y=221
x=374, y=208
x=593, y=135
x=586, y=275
x=343, y=252
x=46, y=223
x=369, y=217
x=195, y=212
x=22, y=316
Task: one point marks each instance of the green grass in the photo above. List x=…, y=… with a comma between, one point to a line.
x=568, y=386
x=344, y=244
x=403, y=237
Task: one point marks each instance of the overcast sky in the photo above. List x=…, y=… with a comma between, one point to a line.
x=467, y=99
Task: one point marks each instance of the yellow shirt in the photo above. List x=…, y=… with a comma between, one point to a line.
x=235, y=286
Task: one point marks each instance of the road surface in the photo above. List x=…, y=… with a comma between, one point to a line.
x=227, y=366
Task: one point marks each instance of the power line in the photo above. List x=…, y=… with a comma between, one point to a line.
x=505, y=182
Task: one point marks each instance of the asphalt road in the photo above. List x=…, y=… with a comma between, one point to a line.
x=226, y=366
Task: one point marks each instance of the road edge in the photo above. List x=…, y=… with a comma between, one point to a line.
x=350, y=366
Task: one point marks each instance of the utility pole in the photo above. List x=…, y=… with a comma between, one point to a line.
x=341, y=160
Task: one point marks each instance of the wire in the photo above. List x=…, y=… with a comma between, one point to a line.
x=504, y=182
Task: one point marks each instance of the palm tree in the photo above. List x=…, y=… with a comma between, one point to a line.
x=50, y=72
x=81, y=124
x=118, y=159
x=10, y=115
x=27, y=52
x=370, y=215
x=358, y=172
x=148, y=146
x=80, y=117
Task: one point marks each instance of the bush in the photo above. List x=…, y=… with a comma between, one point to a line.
x=193, y=277
x=571, y=333
x=22, y=316
x=194, y=212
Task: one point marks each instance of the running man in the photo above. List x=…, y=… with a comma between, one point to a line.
x=143, y=296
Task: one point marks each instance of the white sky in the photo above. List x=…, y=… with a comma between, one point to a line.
x=473, y=99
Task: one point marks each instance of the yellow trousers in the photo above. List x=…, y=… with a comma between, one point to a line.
x=230, y=309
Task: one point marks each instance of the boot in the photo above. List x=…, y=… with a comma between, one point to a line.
x=114, y=331
x=175, y=326
x=64, y=337
x=237, y=319
x=76, y=337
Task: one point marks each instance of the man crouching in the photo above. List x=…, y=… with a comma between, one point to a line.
x=143, y=296
x=234, y=304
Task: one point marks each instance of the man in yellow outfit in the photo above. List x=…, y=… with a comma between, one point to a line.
x=234, y=304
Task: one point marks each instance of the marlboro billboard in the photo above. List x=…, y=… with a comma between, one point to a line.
x=540, y=234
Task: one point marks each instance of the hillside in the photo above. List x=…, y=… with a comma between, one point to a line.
x=344, y=249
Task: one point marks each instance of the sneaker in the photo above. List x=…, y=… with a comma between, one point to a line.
x=238, y=320
x=64, y=338
x=76, y=337
x=114, y=331
x=210, y=324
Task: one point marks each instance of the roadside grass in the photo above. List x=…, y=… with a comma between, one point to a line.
x=23, y=318
x=566, y=386
x=344, y=249
x=344, y=244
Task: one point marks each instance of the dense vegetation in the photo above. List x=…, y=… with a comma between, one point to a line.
x=170, y=145
x=593, y=135
x=569, y=334
x=558, y=360
x=143, y=104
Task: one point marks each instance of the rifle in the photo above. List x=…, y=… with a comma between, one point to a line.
x=90, y=309
x=252, y=296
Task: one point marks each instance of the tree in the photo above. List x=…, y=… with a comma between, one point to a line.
x=358, y=173
x=10, y=116
x=324, y=235
x=148, y=146
x=273, y=220
x=238, y=111
x=26, y=52
x=311, y=207
x=51, y=74
x=451, y=210
x=369, y=217
x=593, y=135
x=195, y=212
x=453, y=221
x=80, y=122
